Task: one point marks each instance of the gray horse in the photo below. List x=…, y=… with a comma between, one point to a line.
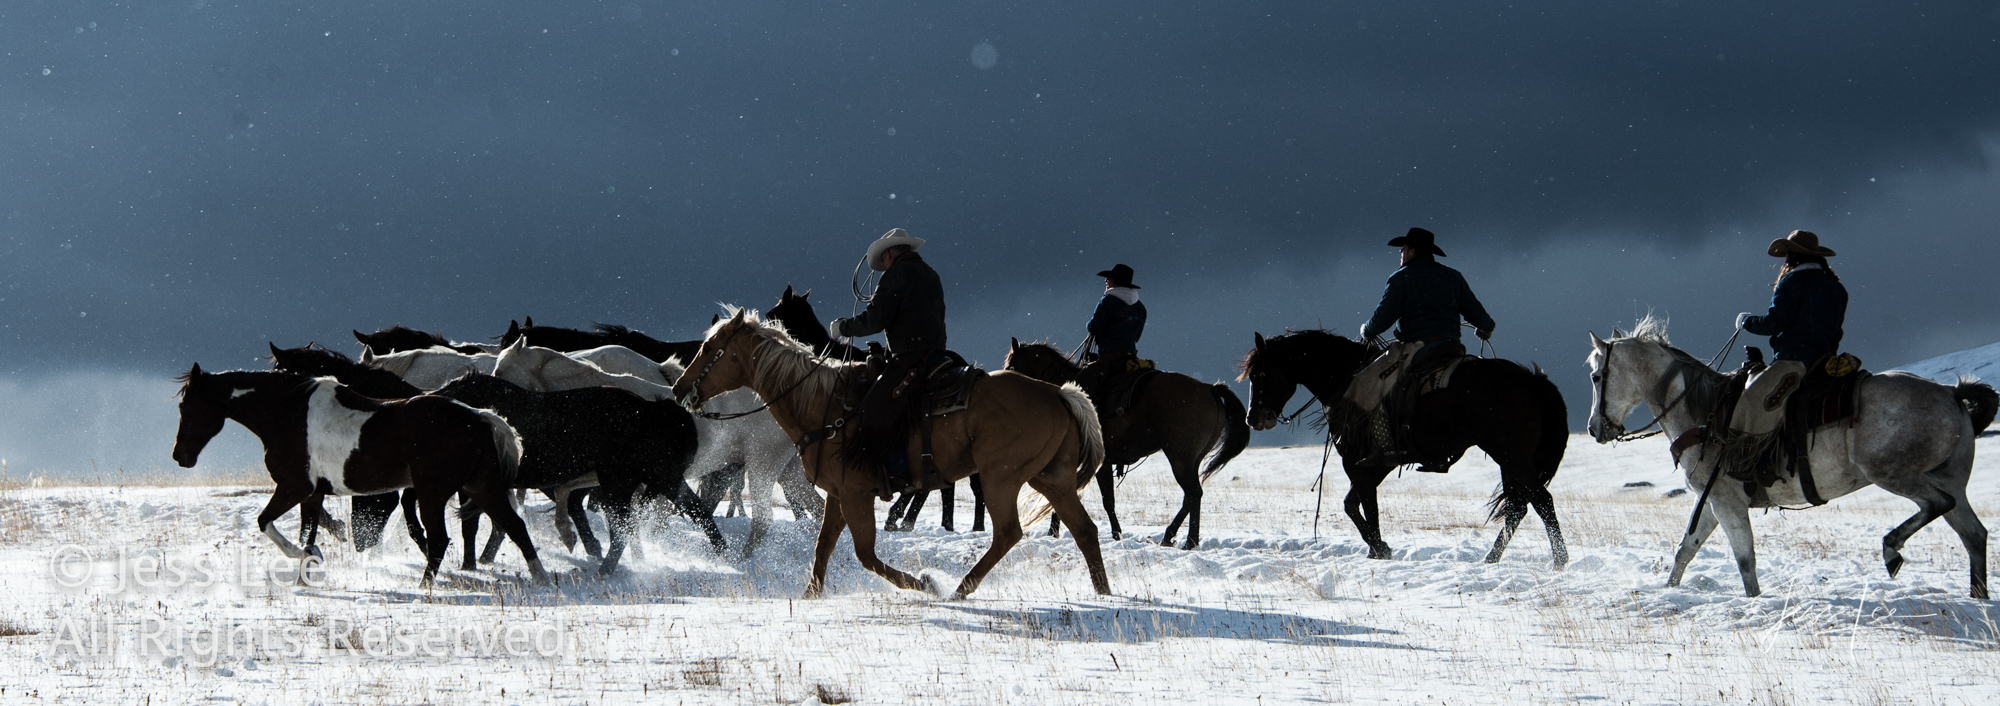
x=1911, y=436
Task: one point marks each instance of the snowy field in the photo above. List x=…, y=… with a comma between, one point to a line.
x=1262, y=612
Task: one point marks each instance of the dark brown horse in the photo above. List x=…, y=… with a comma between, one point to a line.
x=1512, y=413
x=1173, y=413
x=320, y=438
x=569, y=340
x=403, y=338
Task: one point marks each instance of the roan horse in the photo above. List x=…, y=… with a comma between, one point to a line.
x=1512, y=413
x=1016, y=431
x=1910, y=436
x=321, y=438
x=1174, y=413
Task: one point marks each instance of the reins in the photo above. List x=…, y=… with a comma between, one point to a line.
x=1658, y=419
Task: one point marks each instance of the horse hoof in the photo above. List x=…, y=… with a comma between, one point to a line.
x=929, y=584
x=313, y=552
x=1979, y=592
x=1895, y=564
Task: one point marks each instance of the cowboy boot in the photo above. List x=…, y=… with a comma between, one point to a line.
x=1384, y=452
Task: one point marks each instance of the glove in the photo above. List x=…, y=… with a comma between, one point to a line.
x=1483, y=334
x=833, y=328
x=1743, y=318
x=1364, y=333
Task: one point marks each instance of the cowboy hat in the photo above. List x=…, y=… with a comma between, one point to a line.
x=1420, y=239
x=891, y=239
x=1120, y=275
x=1800, y=241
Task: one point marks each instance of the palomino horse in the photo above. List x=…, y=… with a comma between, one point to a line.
x=1015, y=431
x=322, y=438
x=1910, y=436
x=1512, y=413
x=1177, y=414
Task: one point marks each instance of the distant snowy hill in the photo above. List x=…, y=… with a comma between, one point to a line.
x=1982, y=362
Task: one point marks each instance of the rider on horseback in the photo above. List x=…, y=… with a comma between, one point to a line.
x=1804, y=323
x=1425, y=300
x=1116, y=326
x=908, y=305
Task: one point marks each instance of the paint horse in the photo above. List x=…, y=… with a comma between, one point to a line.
x=321, y=438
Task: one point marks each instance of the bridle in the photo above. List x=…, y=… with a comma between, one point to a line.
x=694, y=388
x=1604, y=418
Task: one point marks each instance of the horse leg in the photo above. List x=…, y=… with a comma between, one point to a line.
x=431, y=507
x=283, y=499
x=1006, y=533
x=1107, y=482
x=1691, y=543
x=1360, y=505
x=799, y=492
x=494, y=539
x=370, y=513
x=1929, y=508
x=1187, y=472
x=916, y=508
x=1511, y=513
x=565, y=528
x=1055, y=526
x=896, y=509
x=310, y=511
x=1972, y=533
x=580, y=517
x=618, y=522
x=411, y=522
x=978, y=504
x=703, y=515
x=1545, y=508
x=468, y=526
x=861, y=509
x=1735, y=520
x=948, y=496
x=1069, y=507
x=831, y=522
x=498, y=506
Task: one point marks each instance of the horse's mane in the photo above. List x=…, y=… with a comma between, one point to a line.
x=783, y=360
x=186, y=378
x=435, y=339
x=615, y=330
x=1304, y=338
x=1653, y=329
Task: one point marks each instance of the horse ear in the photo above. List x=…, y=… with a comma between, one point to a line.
x=1260, y=340
x=274, y=348
x=362, y=337
x=807, y=294
x=519, y=344
x=738, y=316
x=1596, y=342
x=194, y=371
x=714, y=319
x=787, y=294
x=367, y=355
x=1013, y=344
x=528, y=321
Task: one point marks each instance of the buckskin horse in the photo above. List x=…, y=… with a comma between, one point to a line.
x=1173, y=413
x=1015, y=431
x=1909, y=435
x=1512, y=413
x=321, y=438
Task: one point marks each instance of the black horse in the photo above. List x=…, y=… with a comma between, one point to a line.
x=798, y=318
x=624, y=440
x=1512, y=413
x=403, y=338
x=569, y=340
x=371, y=512
x=321, y=438
x=1183, y=417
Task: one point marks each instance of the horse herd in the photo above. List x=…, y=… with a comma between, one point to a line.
x=614, y=415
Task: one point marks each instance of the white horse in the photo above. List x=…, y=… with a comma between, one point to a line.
x=1910, y=436
x=430, y=368
x=755, y=441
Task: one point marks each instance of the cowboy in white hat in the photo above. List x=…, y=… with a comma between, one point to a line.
x=908, y=308
x=1808, y=308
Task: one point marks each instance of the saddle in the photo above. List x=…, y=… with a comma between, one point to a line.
x=1114, y=396
x=894, y=395
x=1827, y=395
x=1401, y=406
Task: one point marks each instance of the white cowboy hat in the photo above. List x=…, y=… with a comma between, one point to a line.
x=888, y=240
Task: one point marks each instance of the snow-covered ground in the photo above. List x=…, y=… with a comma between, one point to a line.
x=1262, y=612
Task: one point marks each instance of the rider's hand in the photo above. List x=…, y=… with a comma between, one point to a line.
x=1743, y=318
x=833, y=329
x=1483, y=334
x=1364, y=333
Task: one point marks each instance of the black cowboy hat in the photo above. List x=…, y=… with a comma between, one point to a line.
x=1800, y=241
x=1120, y=275
x=1422, y=240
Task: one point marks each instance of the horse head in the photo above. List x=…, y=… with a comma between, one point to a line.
x=726, y=360
x=203, y=410
x=1324, y=363
x=1623, y=370
x=1040, y=360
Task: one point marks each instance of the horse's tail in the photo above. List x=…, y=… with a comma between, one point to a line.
x=1235, y=430
x=507, y=443
x=1549, y=446
x=1980, y=401
x=1037, y=508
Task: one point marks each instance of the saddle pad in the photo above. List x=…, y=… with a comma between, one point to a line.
x=1439, y=377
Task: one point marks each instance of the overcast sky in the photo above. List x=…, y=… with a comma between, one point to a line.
x=183, y=181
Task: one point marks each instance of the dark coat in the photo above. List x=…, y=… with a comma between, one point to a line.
x=1117, y=325
x=908, y=305
x=1424, y=301
x=1805, y=316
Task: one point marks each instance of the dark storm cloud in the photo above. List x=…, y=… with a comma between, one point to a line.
x=181, y=180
